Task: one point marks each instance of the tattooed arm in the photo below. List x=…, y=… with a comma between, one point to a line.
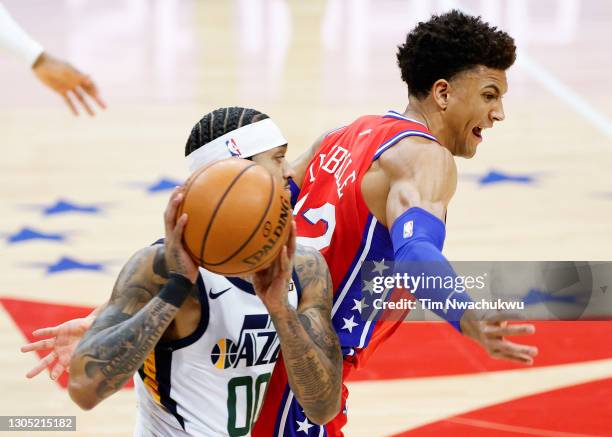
x=145, y=299
x=309, y=344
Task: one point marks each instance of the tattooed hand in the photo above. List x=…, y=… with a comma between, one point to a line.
x=271, y=283
x=177, y=258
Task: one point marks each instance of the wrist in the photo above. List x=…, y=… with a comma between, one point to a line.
x=281, y=310
x=176, y=289
x=39, y=60
x=469, y=324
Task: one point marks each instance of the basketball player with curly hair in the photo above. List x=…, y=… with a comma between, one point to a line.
x=378, y=190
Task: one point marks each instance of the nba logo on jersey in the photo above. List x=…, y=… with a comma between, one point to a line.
x=408, y=229
x=233, y=148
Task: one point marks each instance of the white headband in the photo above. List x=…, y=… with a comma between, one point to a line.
x=243, y=142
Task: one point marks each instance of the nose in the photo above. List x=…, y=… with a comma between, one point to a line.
x=288, y=171
x=498, y=113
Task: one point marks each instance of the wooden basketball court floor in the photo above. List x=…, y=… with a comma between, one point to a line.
x=540, y=187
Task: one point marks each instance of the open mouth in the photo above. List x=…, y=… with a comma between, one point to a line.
x=477, y=132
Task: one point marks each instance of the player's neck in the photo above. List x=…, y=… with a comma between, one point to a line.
x=430, y=115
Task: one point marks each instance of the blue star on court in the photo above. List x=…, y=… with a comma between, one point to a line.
x=496, y=177
x=28, y=234
x=65, y=206
x=66, y=264
x=163, y=184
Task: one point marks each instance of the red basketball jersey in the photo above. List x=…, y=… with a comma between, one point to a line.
x=332, y=217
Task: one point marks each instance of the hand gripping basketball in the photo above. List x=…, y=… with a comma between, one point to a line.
x=177, y=258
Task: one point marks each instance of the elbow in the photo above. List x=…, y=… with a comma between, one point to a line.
x=326, y=410
x=322, y=417
x=82, y=394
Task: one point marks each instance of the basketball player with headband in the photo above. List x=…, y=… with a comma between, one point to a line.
x=200, y=346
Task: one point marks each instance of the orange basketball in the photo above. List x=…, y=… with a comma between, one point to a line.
x=239, y=216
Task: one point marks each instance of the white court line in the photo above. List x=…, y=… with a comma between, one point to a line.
x=513, y=428
x=565, y=93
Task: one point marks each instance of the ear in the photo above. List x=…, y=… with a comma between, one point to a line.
x=440, y=92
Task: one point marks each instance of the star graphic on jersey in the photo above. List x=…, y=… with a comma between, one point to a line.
x=368, y=286
x=67, y=264
x=364, y=305
x=495, y=177
x=380, y=267
x=358, y=305
x=349, y=324
x=64, y=206
x=163, y=184
x=27, y=234
x=304, y=426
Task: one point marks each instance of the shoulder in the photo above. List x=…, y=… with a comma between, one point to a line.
x=421, y=173
x=414, y=155
x=151, y=258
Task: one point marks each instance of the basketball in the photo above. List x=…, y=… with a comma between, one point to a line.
x=239, y=217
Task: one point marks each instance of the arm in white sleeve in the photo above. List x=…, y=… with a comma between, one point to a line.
x=15, y=40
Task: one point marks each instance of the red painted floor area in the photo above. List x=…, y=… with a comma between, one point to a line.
x=580, y=410
x=436, y=349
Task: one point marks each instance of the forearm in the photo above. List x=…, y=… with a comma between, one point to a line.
x=417, y=249
x=314, y=372
x=107, y=358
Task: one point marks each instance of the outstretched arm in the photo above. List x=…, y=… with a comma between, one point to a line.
x=310, y=346
x=143, y=304
x=422, y=180
x=54, y=73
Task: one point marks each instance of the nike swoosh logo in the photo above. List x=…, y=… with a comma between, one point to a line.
x=216, y=295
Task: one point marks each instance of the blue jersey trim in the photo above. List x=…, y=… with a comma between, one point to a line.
x=400, y=136
x=241, y=284
x=279, y=415
x=202, y=325
x=398, y=116
x=298, y=285
x=295, y=191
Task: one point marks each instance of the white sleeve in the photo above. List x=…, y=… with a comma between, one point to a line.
x=15, y=40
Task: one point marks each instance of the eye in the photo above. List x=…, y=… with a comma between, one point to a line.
x=488, y=96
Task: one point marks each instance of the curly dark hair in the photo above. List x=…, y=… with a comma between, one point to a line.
x=218, y=123
x=449, y=44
